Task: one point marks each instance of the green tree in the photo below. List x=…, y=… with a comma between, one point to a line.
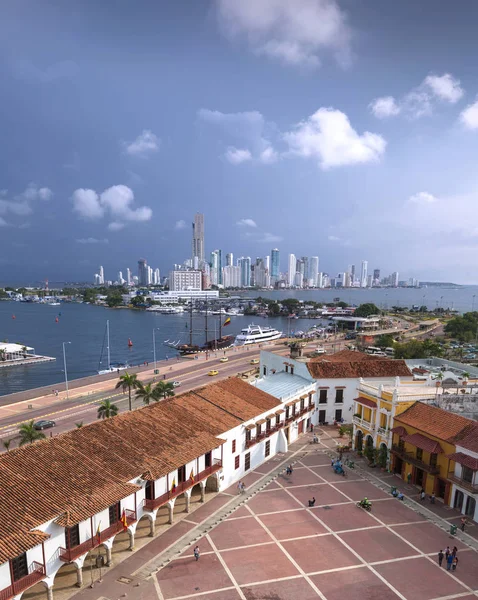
x=28, y=433
x=463, y=328
x=79, y=425
x=382, y=456
x=107, y=409
x=128, y=382
x=6, y=444
x=163, y=389
x=114, y=299
x=418, y=349
x=146, y=392
x=138, y=301
x=367, y=309
x=385, y=341
x=89, y=295
x=274, y=309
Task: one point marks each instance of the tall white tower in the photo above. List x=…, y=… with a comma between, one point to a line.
x=363, y=274
x=292, y=269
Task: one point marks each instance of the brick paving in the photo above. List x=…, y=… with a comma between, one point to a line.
x=268, y=545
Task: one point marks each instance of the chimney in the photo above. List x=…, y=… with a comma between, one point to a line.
x=295, y=350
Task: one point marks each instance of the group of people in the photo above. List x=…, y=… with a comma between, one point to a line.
x=450, y=556
x=241, y=487
x=397, y=494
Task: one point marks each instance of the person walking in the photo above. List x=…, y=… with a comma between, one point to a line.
x=422, y=495
x=454, y=551
x=440, y=558
x=409, y=478
x=196, y=553
x=243, y=488
x=432, y=498
x=463, y=523
x=449, y=562
x=455, y=563
x=239, y=487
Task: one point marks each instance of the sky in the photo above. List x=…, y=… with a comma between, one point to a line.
x=344, y=129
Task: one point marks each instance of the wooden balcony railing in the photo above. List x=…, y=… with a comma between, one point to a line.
x=251, y=442
x=36, y=574
x=412, y=460
x=467, y=485
x=185, y=485
x=70, y=554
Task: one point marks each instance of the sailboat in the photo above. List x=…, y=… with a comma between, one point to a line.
x=220, y=343
x=112, y=367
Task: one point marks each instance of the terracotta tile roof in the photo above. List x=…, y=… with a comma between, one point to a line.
x=366, y=402
x=399, y=430
x=437, y=422
x=346, y=356
x=356, y=366
x=81, y=472
x=421, y=441
x=469, y=438
x=464, y=459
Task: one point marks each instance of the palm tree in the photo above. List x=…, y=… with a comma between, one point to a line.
x=6, y=444
x=128, y=382
x=439, y=376
x=146, y=393
x=465, y=375
x=163, y=389
x=24, y=351
x=3, y=354
x=106, y=410
x=28, y=433
x=79, y=425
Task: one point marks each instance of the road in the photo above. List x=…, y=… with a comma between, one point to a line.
x=82, y=404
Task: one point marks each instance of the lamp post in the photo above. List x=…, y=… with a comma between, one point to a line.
x=64, y=365
x=154, y=347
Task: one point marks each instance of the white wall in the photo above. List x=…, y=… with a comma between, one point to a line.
x=5, y=579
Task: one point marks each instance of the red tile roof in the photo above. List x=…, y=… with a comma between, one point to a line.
x=366, y=402
x=437, y=422
x=465, y=460
x=469, y=440
x=421, y=441
x=81, y=472
x=400, y=431
x=356, y=366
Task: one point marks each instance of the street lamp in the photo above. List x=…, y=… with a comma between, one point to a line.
x=154, y=347
x=64, y=364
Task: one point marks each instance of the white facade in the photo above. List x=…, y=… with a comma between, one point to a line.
x=231, y=276
x=313, y=271
x=292, y=268
x=464, y=494
x=363, y=274
x=183, y=280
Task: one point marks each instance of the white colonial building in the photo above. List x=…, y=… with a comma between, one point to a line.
x=464, y=494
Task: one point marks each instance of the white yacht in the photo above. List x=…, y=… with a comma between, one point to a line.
x=254, y=334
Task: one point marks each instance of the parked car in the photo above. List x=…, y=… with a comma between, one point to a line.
x=213, y=372
x=176, y=383
x=44, y=424
x=223, y=359
x=320, y=350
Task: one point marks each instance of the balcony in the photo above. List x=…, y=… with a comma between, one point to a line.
x=384, y=432
x=303, y=411
x=466, y=485
x=185, y=485
x=37, y=573
x=70, y=554
x=412, y=460
x=251, y=442
x=362, y=423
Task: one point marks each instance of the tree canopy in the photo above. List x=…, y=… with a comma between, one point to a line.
x=367, y=309
x=463, y=328
x=418, y=349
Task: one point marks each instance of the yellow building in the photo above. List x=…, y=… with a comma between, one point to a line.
x=423, y=439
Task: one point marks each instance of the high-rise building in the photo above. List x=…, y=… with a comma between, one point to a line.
x=363, y=274
x=216, y=267
x=231, y=276
x=395, y=279
x=376, y=275
x=245, y=264
x=156, y=277
x=183, y=280
x=313, y=271
x=129, y=280
x=198, y=238
x=292, y=270
x=102, y=276
x=142, y=271
x=229, y=259
x=267, y=263
x=352, y=274
x=120, y=277
x=275, y=264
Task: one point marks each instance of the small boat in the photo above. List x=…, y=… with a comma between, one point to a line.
x=57, y=320
x=14, y=317
x=255, y=334
x=130, y=343
x=112, y=367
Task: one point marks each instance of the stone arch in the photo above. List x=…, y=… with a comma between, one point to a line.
x=383, y=456
x=144, y=529
x=359, y=440
x=369, y=441
x=40, y=591
x=212, y=483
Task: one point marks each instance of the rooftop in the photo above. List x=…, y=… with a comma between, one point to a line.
x=76, y=474
x=350, y=364
x=281, y=385
x=437, y=422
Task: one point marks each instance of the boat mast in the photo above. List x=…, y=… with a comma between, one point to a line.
x=206, y=319
x=108, y=342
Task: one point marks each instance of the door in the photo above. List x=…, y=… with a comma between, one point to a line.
x=338, y=414
x=470, y=507
x=182, y=474
x=149, y=490
x=419, y=477
x=72, y=536
x=397, y=465
x=301, y=427
x=459, y=497
x=286, y=431
x=322, y=415
x=114, y=513
x=441, y=488
x=207, y=459
x=19, y=567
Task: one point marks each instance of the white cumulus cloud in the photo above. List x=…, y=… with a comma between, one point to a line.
x=469, y=116
x=423, y=198
x=268, y=156
x=445, y=87
x=246, y=223
x=145, y=144
x=236, y=156
x=115, y=226
x=384, y=107
x=116, y=201
x=295, y=32
x=328, y=136
x=181, y=224
x=92, y=240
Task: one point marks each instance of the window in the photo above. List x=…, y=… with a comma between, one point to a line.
x=114, y=513
x=182, y=474
x=287, y=368
x=287, y=411
x=293, y=410
x=338, y=414
x=401, y=445
x=149, y=490
x=467, y=474
x=258, y=430
x=311, y=403
x=433, y=460
x=339, y=396
x=419, y=454
x=264, y=371
x=237, y=461
x=234, y=445
x=248, y=435
x=291, y=370
x=268, y=424
x=267, y=450
x=322, y=396
x=19, y=567
x=72, y=536
x=277, y=419
x=207, y=459
x=247, y=462
x=302, y=404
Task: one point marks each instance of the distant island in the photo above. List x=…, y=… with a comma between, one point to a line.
x=442, y=284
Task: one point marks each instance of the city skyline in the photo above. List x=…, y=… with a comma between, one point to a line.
x=314, y=130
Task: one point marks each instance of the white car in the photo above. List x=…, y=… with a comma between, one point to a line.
x=176, y=383
x=320, y=350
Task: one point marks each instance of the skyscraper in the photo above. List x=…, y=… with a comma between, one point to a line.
x=363, y=274
x=216, y=267
x=198, y=238
x=142, y=271
x=352, y=274
x=102, y=276
x=275, y=263
x=229, y=259
x=292, y=269
x=313, y=271
x=129, y=280
x=245, y=264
